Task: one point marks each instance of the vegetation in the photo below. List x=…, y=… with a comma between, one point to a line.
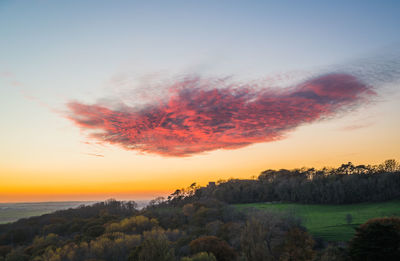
x=344, y=185
x=200, y=224
x=331, y=222
x=377, y=239
x=112, y=230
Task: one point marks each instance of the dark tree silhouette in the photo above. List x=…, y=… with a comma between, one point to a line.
x=218, y=247
x=377, y=239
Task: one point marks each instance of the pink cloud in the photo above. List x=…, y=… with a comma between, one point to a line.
x=199, y=115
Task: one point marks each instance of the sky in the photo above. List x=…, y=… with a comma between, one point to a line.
x=134, y=99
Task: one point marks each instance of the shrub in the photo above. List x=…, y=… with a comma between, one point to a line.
x=377, y=239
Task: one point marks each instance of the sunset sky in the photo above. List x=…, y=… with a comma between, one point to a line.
x=133, y=99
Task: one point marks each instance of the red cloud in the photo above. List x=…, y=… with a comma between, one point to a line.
x=198, y=116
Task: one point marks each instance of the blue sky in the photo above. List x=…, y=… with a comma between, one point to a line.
x=93, y=39
x=63, y=50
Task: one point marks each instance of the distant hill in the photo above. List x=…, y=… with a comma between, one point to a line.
x=10, y=212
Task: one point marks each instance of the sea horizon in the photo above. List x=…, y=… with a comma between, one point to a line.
x=13, y=211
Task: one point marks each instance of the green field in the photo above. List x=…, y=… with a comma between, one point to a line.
x=329, y=221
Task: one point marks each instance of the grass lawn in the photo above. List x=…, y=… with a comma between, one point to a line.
x=329, y=221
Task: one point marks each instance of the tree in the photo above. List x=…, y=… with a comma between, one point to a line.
x=4, y=250
x=377, y=239
x=156, y=201
x=298, y=246
x=156, y=247
x=40, y=244
x=136, y=224
x=95, y=231
x=188, y=210
x=263, y=235
x=390, y=165
x=17, y=254
x=218, y=247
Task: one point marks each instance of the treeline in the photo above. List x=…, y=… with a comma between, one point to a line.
x=343, y=185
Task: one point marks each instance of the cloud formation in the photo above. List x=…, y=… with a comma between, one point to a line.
x=198, y=115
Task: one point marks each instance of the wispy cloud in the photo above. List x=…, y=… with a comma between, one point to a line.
x=94, y=154
x=10, y=79
x=356, y=126
x=199, y=115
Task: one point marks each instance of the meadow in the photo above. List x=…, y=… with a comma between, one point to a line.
x=329, y=221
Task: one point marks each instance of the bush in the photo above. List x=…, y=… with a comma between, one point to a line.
x=377, y=239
